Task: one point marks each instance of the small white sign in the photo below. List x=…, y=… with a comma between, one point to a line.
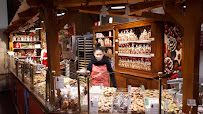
x=152, y=54
x=166, y=104
x=151, y=105
x=94, y=99
x=59, y=82
x=191, y=102
x=152, y=39
x=37, y=46
x=116, y=40
x=94, y=107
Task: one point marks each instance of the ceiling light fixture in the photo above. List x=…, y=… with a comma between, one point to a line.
x=118, y=7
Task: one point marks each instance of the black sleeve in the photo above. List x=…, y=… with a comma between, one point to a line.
x=89, y=67
x=111, y=72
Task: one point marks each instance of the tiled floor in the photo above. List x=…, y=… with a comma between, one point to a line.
x=6, y=104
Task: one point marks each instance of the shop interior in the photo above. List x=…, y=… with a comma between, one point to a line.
x=153, y=47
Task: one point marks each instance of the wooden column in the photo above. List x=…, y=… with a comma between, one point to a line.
x=52, y=46
x=52, y=38
x=191, y=52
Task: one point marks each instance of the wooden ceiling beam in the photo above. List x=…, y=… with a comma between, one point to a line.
x=158, y=17
x=175, y=12
x=76, y=3
x=114, y=11
x=35, y=3
x=140, y=7
x=110, y=14
x=19, y=22
x=31, y=12
x=66, y=18
x=164, y=18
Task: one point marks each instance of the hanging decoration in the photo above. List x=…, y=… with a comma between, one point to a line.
x=104, y=11
x=127, y=9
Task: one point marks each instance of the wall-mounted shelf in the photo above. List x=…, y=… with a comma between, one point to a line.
x=26, y=48
x=26, y=41
x=138, y=41
x=136, y=55
x=105, y=37
x=27, y=56
x=107, y=46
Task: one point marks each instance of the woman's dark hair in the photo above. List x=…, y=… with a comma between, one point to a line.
x=98, y=47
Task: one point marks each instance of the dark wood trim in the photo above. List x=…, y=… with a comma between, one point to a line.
x=66, y=18
x=191, y=52
x=33, y=93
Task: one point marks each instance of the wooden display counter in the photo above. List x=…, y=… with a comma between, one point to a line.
x=23, y=101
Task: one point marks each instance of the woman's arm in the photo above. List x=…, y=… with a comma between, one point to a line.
x=111, y=72
x=89, y=67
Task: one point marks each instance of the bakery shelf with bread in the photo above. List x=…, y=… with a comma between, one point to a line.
x=139, y=47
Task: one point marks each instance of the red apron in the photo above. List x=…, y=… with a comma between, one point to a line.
x=99, y=75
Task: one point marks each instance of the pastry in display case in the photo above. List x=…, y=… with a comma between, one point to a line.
x=151, y=93
x=137, y=105
x=69, y=95
x=106, y=99
x=172, y=105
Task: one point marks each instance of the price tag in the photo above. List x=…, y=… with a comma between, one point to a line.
x=129, y=88
x=151, y=106
x=116, y=52
x=116, y=40
x=166, y=104
x=59, y=80
x=101, y=85
x=94, y=99
x=113, y=45
x=191, y=102
x=142, y=88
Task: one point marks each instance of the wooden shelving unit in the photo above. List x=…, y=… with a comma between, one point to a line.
x=128, y=76
x=104, y=29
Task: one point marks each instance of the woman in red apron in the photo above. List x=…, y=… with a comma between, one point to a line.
x=99, y=67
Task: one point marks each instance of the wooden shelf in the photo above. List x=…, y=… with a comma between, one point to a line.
x=105, y=37
x=27, y=56
x=106, y=46
x=26, y=41
x=26, y=48
x=138, y=41
x=136, y=55
x=137, y=73
x=109, y=55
